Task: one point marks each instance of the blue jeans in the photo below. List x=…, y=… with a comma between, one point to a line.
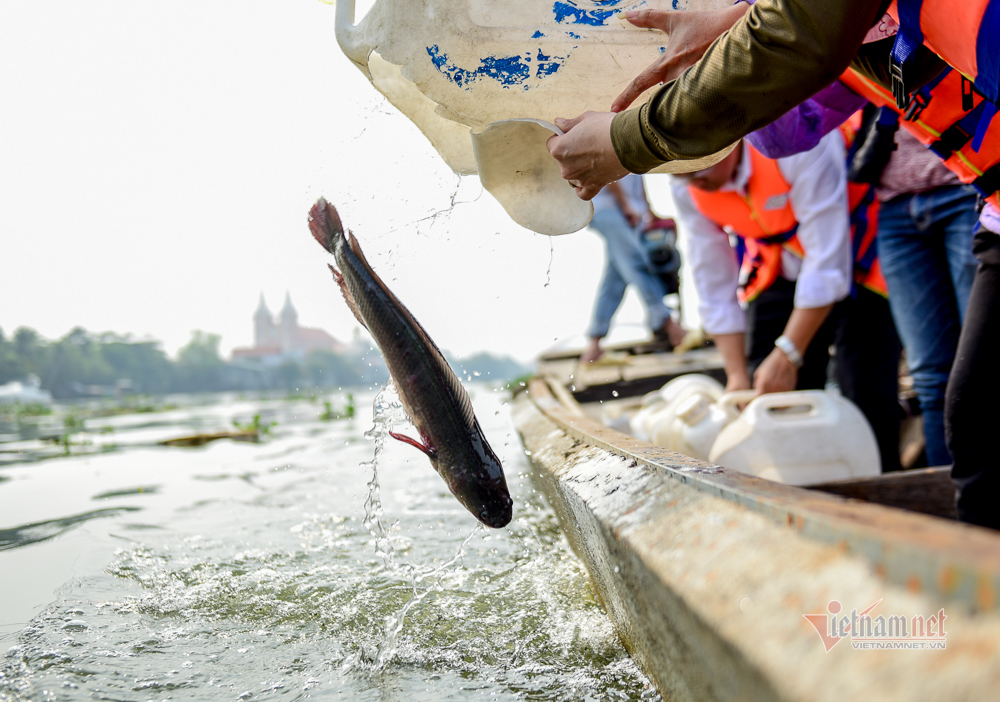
x=925, y=246
x=627, y=264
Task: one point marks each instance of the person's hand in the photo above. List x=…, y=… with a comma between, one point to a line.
x=691, y=33
x=775, y=374
x=736, y=382
x=585, y=154
x=592, y=352
x=632, y=217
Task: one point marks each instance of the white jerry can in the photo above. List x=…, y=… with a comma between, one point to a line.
x=651, y=404
x=458, y=67
x=698, y=421
x=672, y=396
x=799, y=438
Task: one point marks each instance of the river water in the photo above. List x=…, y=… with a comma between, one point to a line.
x=286, y=569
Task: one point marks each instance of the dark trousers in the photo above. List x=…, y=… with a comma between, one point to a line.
x=972, y=403
x=866, y=346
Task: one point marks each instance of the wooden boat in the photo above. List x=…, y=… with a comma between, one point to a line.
x=723, y=586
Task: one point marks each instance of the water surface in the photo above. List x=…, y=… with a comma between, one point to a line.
x=252, y=571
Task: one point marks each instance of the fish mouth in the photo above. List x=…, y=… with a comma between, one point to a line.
x=488, y=501
x=498, y=514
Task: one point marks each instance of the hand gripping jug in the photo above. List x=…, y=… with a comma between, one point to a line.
x=458, y=67
x=698, y=421
x=799, y=438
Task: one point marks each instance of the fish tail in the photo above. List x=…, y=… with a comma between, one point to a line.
x=325, y=225
x=348, y=298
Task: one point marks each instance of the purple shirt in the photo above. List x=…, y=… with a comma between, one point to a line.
x=801, y=128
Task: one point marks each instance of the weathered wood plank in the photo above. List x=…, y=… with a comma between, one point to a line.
x=928, y=490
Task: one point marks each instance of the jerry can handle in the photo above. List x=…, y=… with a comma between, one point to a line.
x=348, y=35
x=775, y=407
x=731, y=400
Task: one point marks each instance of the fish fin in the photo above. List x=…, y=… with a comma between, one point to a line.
x=445, y=371
x=413, y=442
x=348, y=298
x=325, y=224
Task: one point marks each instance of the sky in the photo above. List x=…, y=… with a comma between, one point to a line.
x=158, y=159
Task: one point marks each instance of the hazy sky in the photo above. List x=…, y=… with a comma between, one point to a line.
x=157, y=160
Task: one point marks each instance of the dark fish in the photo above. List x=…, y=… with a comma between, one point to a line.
x=431, y=394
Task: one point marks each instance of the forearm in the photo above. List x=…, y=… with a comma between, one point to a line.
x=803, y=324
x=734, y=360
x=776, y=56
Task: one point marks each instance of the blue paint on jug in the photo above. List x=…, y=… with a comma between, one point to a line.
x=509, y=71
x=568, y=13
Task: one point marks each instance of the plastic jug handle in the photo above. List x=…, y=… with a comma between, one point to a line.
x=348, y=36
x=802, y=398
x=730, y=400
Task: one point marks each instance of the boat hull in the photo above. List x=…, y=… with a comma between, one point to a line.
x=706, y=574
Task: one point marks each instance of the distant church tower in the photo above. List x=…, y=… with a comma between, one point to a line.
x=288, y=326
x=264, y=332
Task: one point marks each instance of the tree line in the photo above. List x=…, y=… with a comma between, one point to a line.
x=82, y=364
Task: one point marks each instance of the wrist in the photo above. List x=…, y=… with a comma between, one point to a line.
x=737, y=382
x=790, y=351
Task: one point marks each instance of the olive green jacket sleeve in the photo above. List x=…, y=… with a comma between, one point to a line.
x=780, y=53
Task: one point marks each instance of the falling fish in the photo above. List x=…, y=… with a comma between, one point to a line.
x=432, y=395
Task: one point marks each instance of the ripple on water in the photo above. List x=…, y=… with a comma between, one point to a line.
x=284, y=594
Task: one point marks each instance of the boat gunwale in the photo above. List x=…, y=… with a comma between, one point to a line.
x=923, y=553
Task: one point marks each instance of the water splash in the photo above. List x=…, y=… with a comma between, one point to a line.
x=394, y=622
x=388, y=412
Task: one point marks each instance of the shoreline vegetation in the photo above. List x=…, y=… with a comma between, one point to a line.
x=96, y=378
x=86, y=365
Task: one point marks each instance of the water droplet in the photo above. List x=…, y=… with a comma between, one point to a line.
x=617, y=569
x=76, y=625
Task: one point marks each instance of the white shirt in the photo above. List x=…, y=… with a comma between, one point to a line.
x=818, y=197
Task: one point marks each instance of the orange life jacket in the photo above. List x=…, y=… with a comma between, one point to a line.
x=966, y=34
x=962, y=32
x=864, y=221
x=935, y=116
x=765, y=220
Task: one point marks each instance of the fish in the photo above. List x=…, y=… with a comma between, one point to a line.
x=430, y=392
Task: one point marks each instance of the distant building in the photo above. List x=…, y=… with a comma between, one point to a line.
x=275, y=340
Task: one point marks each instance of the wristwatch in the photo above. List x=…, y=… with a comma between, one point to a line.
x=788, y=348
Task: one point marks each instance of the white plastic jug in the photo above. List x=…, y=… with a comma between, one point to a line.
x=698, y=421
x=638, y=422
x=799, y=438
x=452, y=66
x=683, y=385
x=664, y=402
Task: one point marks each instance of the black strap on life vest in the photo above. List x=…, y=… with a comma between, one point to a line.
x=989, y=182
x=959, y=134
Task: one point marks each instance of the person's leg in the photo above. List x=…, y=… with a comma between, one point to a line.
x=923, y=304
x=612, y=288
x=767, y=316
x=630, y=260
x=972, y=412
x=955, y=213
x=867, y=367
